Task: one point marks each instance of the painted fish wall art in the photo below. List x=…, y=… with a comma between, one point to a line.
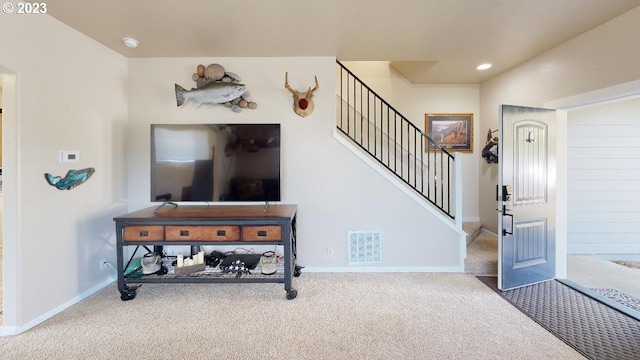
x=71, y=180
x=212, y=93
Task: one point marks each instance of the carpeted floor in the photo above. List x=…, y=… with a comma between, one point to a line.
x=335, y=316
x=592, y=328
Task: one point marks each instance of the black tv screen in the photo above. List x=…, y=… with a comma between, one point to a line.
x=215, y=162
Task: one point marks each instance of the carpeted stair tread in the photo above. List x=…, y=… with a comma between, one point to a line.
x=472, y=229
x=482, y=256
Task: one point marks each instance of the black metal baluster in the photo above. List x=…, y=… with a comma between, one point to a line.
x=409, y=153
x=341, y=98
x=435, y=178
x=355, y=109
x=361, y=118
x=441, y=180
x=348, y=104
x=448, y=184
x=375, y=124
x=388, y=140
x=415, y=159
x=368, y=121
x=422, y=138
x=395, y=149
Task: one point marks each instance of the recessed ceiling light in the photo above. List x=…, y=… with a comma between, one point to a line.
x=484, y=66
x=131, y=42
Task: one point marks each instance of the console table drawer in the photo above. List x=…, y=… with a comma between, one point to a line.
x=202, y=233
x=262, y=233
x=143, y=233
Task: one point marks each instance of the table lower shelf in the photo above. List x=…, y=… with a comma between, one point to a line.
x=210, y=274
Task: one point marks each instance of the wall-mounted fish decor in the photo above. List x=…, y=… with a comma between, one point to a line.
x=213, y=93
x=71, y=180
x=215, y=85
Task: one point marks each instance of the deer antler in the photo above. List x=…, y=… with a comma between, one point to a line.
x=302, y=102
x=286, y=83
x=315, y=88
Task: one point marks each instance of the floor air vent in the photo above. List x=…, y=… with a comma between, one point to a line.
x=365, y=247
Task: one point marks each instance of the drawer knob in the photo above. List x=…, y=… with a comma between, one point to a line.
x=144, y=233
x=262, y=233
x=221, y=233
x=184, y=232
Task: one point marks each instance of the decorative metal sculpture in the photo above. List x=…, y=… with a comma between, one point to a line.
x=302, y=101
x=71, y=180
x=490, y=150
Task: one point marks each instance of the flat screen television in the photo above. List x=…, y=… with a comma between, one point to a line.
x=215, y=162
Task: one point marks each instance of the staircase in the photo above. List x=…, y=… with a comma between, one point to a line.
x=373, y=126
x=377, y=133
x=378, y=129
x=482, y=250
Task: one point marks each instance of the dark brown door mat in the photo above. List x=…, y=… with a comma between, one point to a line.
x=594, y=329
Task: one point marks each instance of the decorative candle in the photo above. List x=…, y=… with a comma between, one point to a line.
x=200, y=257
x=180, y=261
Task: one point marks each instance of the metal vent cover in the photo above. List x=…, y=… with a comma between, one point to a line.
x=365, y=247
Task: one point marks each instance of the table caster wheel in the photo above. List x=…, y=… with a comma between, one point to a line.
x=291, y=294
x=296, y=270
x=163, y=270
x=128, y=294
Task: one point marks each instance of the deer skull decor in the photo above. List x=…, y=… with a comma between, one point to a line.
x=302, y=101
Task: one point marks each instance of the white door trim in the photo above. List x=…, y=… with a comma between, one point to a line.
x=620, y=92
x=625, y=91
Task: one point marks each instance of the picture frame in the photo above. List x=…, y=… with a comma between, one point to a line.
x=453, y=132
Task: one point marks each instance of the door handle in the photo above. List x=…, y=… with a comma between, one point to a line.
x=504, y=231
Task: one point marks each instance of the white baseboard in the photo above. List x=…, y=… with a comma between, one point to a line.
x=15, y=330
x=384, y=269
x=488, y=232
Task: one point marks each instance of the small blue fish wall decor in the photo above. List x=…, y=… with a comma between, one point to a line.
x=71, y=180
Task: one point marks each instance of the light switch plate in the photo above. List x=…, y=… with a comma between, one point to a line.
x=69, y=156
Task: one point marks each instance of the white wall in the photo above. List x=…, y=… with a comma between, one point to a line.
x=603, y=176
x=335, y=190
x=597, y=59
x=415, y=100
x=67, y=93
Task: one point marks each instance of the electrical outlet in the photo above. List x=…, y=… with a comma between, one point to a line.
x=330, y=251
x=103, y=264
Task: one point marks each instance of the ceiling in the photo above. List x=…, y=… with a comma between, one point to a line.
x=428, y=41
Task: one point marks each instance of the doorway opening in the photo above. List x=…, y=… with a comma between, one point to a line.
x=602, y=178
x=602, y=207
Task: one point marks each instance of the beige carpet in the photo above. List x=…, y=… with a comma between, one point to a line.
x=335, y=316
x=482, y=255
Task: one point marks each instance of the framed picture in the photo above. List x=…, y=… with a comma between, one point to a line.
x=454, y=132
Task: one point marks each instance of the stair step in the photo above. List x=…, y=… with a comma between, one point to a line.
x=482, y=255
x=472, y=229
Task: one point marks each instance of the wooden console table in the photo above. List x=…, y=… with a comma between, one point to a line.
x=207, y=225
